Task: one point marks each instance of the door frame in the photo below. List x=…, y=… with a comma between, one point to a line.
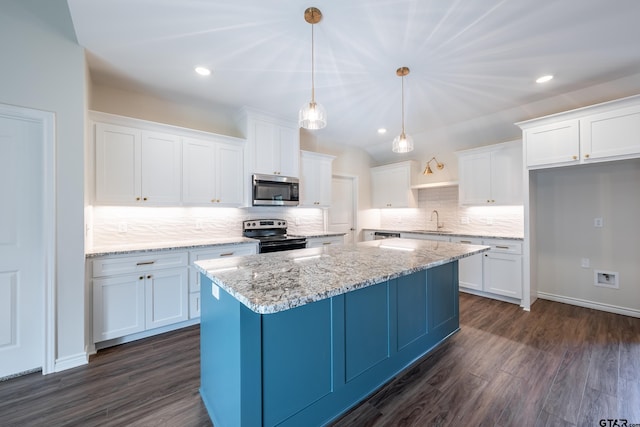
x=47, y=120
x=355, y=185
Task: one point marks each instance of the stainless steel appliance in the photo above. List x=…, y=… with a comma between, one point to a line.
x=380, y=235
x=275, y=190
x=272, y=234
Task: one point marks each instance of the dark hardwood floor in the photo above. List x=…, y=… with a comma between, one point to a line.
x=556, y=365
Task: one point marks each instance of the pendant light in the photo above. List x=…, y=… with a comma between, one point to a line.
x=312, y=115
x=402, y=143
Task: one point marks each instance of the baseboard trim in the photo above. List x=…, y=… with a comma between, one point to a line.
x=490, y=295
x=590, y=304
x=68, y=362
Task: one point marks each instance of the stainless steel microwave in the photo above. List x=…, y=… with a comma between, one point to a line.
x=275, y=190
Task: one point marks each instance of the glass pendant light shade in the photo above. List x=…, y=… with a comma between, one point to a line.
x=402, y=143
x=312, y=116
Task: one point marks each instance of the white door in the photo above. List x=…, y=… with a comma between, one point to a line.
x=342, y=214
x=22, y=249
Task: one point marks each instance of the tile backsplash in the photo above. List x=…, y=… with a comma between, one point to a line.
x=488, y=220
x=113, y=225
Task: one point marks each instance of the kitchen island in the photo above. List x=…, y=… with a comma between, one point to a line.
x=297, y=338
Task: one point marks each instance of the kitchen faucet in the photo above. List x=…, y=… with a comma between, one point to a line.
x=438, y=225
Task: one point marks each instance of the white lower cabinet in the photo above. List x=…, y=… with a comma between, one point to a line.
x=503, y=268
x=137, y=293
x=223, y=251
x=470, y=268
x=317, y=242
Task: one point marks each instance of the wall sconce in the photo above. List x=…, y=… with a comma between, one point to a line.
x=427, y=169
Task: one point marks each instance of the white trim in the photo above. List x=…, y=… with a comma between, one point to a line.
x=69, y=362
x=47, y=120
x=590, y=304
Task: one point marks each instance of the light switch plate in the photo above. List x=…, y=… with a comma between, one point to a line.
x=598, y=222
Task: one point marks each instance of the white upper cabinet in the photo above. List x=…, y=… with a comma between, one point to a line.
x=212, y=173
x=134, y=166
x=553, y=144
x=491, y=175
x=138, y=163
x=315, y=179
x=391, y=185
x=273, y=145
x=603, y=132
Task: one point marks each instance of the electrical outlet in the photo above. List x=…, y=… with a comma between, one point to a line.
x=489, y=220
x=585, y=263
x=598, y=222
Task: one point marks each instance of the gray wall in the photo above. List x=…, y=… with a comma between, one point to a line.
x=43, y=68
x=568, y=200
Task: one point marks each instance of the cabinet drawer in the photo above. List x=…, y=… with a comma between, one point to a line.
x=222, y=252
x=504, y=246
x=152, y=261
x=467, y=240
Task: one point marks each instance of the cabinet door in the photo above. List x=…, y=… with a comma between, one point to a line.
x=470, y=273
x=166, y=297
x=198, y=182
x=554, y=144
x=506, y=176
x=229, y=174
x=391, y=186
x=266, y=148
x=118, y=306
x=503, y=274
x=117, y=164
x=289, y=151
x=475, y=179
x=315, y=174
x=612, y=134
x=161, y=168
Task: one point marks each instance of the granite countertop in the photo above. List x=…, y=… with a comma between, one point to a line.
x=273, y=282
x=449, y=233
x=121, y=249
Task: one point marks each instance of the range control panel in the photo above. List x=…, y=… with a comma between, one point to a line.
x=259, y=224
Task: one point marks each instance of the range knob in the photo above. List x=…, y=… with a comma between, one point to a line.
x=254, y=224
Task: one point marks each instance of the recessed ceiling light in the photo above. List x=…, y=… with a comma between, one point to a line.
x=203, y=71
x=382, y=131
x=544, y=79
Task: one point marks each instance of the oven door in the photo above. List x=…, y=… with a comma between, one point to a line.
x=282, y=245
x=275, y=190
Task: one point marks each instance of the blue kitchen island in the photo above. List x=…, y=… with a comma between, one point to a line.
x=297, y=338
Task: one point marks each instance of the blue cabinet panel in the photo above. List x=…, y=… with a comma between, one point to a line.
x=296, y=350
x=366, y=314
x=443, y=296
x=411, y=308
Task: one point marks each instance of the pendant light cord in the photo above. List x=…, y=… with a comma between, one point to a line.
x=402, y=105
x=313, y=66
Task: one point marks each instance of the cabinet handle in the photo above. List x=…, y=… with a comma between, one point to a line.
x=488, y=201
x=502, y=247
x=217, y=200
x=146, y=263
x=575, y=157
x=138, y=199
x=586, y=156
x=465, y=241
x=326, y=243
x=141, y=277
x=226, y=254
x=213, y=200
x=144, y=198
x=149, y=276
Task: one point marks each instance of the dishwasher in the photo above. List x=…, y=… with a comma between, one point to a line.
x=381, y=235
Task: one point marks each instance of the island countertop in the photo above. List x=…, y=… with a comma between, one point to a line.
x=274, y=282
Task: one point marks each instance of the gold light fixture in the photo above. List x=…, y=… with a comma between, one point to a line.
x=402, y=143
x=312, y=115
x=427, y=169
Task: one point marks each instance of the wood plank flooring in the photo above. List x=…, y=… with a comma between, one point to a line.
x=556, y=365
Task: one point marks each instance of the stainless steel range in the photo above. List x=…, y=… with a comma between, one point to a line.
x=272, y=234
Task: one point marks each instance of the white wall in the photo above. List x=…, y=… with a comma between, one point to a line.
x=568, y=200
x=43, y=68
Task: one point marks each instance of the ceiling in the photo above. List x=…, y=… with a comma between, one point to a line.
x=473, y=63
